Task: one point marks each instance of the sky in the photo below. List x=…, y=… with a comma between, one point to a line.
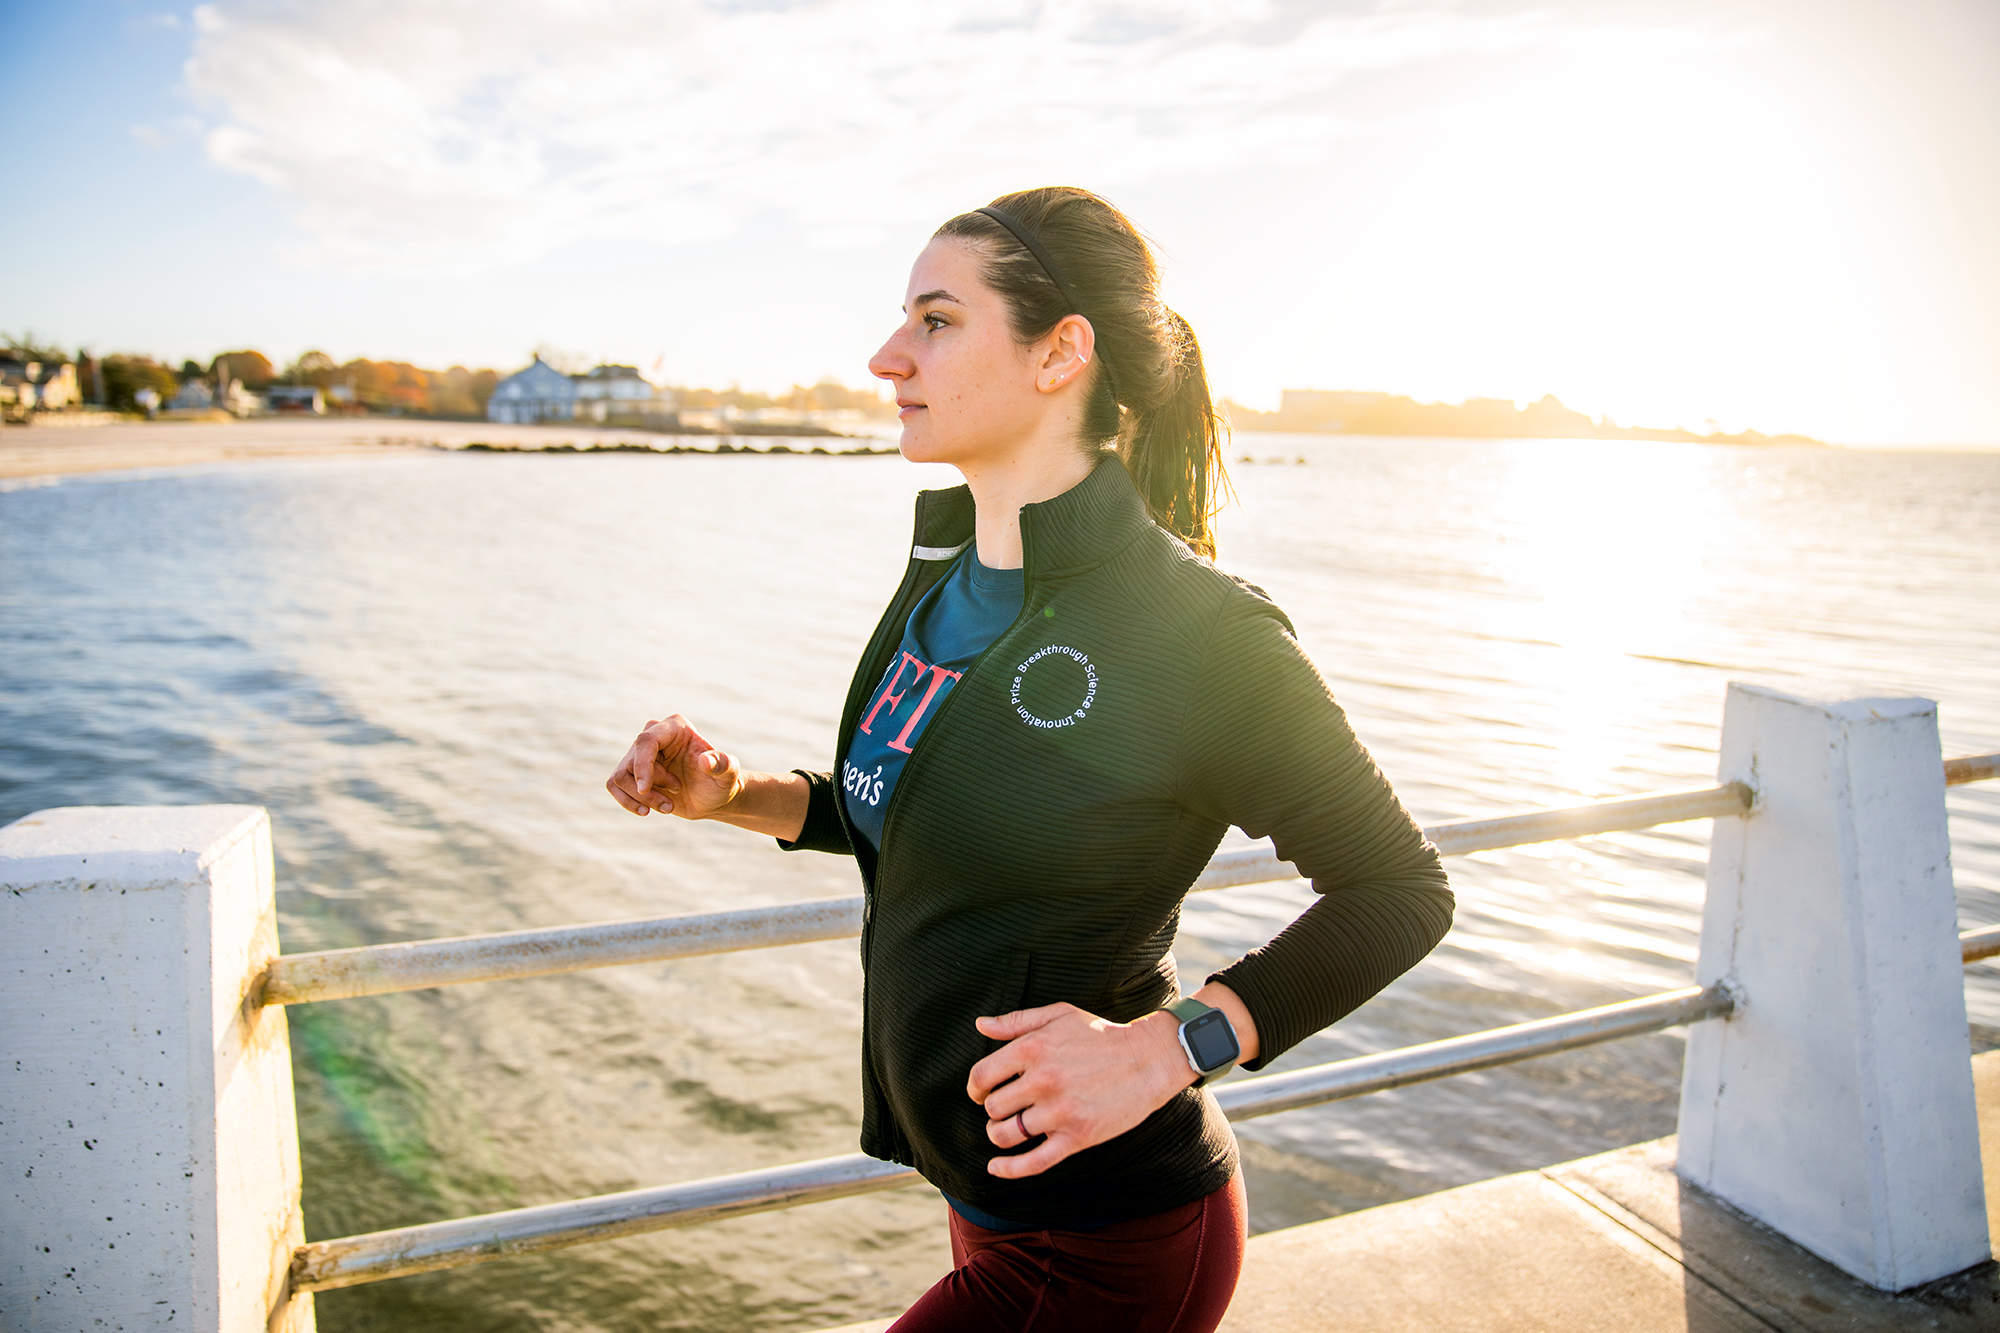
x=1780, y=214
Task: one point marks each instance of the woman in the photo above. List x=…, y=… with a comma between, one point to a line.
x=1062, y=711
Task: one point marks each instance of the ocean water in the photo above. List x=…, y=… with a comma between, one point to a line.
x=425, y=665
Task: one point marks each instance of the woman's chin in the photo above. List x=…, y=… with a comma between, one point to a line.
x=915, y=448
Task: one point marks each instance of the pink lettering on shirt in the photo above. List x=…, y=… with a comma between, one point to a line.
x=891, y=698
x=938, y=677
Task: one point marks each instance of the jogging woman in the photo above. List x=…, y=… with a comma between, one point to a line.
x=1063, y=709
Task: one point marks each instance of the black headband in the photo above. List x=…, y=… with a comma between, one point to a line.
x=1054, y=270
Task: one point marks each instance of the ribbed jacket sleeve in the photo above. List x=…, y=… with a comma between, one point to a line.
x=1265, y=747
x=822, y=831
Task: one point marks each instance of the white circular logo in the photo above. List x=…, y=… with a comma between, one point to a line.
x=1053, y=697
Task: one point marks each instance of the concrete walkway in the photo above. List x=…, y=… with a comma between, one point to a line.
x=1615, y=1242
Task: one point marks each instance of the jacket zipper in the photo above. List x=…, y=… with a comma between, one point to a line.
x=894, y=624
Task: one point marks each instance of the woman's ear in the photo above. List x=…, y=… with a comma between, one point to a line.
x=1066, y=352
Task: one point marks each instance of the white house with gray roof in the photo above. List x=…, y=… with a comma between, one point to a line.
x=617, y=395
x=539, y=393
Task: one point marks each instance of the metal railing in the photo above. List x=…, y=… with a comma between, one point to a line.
x=382, y=969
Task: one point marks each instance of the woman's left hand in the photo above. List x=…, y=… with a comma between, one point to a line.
x=1075, y=1078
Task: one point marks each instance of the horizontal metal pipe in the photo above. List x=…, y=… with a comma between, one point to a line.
x=1580, y=821
x=382, y=969
x=1971, y=768
x=1982, y=943
x=351, y=1260
x=1247, y=1098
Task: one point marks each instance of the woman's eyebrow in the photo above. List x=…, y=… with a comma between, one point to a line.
x=939, y=295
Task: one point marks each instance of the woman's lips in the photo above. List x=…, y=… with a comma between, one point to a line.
x=904, y=410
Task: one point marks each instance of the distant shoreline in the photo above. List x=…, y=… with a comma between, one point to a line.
x=1358, y=412
x=32, y=452
x=1607, y=435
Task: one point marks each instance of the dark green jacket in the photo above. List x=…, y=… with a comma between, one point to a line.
x=1053, y=814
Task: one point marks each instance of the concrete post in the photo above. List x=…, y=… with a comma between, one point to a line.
x=147, y=1134
x=1837, y=1105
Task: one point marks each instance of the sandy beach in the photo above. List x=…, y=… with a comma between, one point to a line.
x=41, y=451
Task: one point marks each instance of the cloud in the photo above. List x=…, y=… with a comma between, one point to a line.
x=479, y=133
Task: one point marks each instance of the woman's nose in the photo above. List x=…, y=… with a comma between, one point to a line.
x=889, y=361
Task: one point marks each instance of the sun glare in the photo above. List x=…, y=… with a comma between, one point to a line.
x=1605, y=551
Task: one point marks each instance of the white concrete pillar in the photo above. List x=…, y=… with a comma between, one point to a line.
x=1837, y=1105
x=147, y=1135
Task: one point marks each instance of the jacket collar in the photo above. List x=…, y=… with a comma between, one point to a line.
x=1077, y=530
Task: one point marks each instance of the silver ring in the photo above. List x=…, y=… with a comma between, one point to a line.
x=1022, y=1125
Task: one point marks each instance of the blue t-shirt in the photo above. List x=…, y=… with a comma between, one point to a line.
x=957, y=620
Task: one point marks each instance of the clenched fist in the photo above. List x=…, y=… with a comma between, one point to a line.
x=673, y=769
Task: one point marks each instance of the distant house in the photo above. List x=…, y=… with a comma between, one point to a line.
x=614, y=395
x=17, y=385
x=238, y=401
x=194, y=395
x=199, y=397
x=36, y=385
x=539, y=393
x=294, y=399
x=619, y=395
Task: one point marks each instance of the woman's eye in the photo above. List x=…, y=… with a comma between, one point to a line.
x=934, y=322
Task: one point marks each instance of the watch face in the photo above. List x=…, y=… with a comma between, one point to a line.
x=1211, y=1040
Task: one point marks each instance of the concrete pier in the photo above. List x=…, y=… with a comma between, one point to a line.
x=1836, y=1105
x=1616, y=1241
x=146, y=1118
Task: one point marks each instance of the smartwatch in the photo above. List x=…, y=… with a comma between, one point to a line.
x=1207, y=1038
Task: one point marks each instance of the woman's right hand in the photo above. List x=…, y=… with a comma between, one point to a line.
x=673, y=769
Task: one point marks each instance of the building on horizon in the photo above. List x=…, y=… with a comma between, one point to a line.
x=30, y=386
x=290, y=399
x=620, y=396
x=194, y=395
x=238, y=401
x=198, y=398
x=537, y=394
x=606, y=395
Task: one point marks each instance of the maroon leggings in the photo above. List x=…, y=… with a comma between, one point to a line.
x=1173, y=1272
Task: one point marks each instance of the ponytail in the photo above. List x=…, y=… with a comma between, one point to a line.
x=1059, y=251
x=1174, y=449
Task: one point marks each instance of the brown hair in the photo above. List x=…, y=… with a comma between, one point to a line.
x=1154, y=402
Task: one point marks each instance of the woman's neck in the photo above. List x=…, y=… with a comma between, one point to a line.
x=1001, y=487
